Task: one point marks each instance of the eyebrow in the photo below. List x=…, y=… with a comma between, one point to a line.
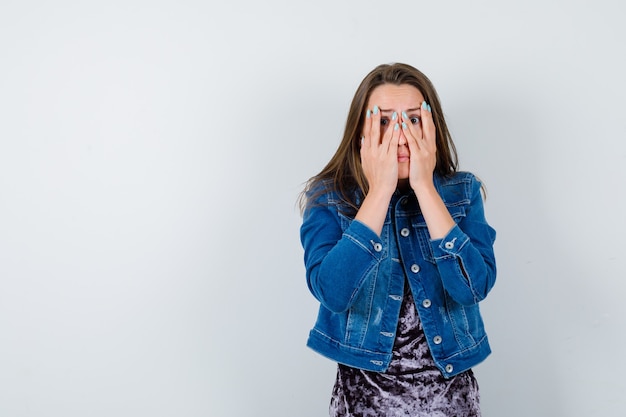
x=407, y=110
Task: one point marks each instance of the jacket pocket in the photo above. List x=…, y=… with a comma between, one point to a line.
x=466, y=323
x=363, y=313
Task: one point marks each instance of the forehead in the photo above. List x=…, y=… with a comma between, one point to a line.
x=389, y=96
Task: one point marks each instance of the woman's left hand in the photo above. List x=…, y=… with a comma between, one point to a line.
x=421, y=139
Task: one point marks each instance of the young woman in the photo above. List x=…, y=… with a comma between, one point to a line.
x=399, y=254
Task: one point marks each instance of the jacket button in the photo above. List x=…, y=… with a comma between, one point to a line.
x=404, y=232
x=426, y=303
x=437, y=340
x=449, y=245
x=378, y=247
x=449, y=368
x=415, y=268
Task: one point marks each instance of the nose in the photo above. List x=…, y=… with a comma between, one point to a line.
x=402, y=140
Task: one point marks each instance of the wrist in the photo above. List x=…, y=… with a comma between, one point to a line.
x=380, y=193
x=423, y=185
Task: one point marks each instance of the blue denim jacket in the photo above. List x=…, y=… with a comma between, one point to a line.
x=358, y=278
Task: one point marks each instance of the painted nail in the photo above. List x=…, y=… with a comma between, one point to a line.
x=396, y=127
x=375, y=109
x=394, y=116
x=429, y=109
x=369, y=113
x=424, y=105
x=404, y=116
x=404, y=126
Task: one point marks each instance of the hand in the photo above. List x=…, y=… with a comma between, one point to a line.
x=421, y=139
x=379, y=157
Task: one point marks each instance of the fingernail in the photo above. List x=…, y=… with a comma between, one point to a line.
x=404, y=116
x=424, y=105
x=394, y=116
x=396, y=127
x=403, y=125
x=429, y=109
x=369, y=113
x=375, y=109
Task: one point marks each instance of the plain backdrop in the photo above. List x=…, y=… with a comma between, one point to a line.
x=151, y=154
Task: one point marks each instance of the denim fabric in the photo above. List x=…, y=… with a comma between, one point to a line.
x=358, y=278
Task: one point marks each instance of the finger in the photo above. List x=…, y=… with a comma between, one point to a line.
x=393, y=132
x=410, y=126
x=374, y=134
x=428, y=126
x=418, y=128
x=411, y=141
x=367, y=129
x=388, y=131
x=395, y=137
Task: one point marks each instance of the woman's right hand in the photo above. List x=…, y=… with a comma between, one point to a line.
x=379, y=156
x=379, y=159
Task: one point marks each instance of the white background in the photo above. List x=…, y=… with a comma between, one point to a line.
x=151, y=153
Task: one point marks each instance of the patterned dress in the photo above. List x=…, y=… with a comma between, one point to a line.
x=412, y=386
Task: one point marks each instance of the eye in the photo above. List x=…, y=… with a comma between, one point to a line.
x=384, y=122
x=415, y=120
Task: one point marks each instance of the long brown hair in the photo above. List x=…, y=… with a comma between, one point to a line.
x=344, y=171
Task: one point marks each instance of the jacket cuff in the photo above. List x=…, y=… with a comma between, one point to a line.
x=365, y=237
x=450, y=245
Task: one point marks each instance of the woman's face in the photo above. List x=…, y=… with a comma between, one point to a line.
x=397, y=98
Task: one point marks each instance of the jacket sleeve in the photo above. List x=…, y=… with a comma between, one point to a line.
x=465, y=256
x=338, y=262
